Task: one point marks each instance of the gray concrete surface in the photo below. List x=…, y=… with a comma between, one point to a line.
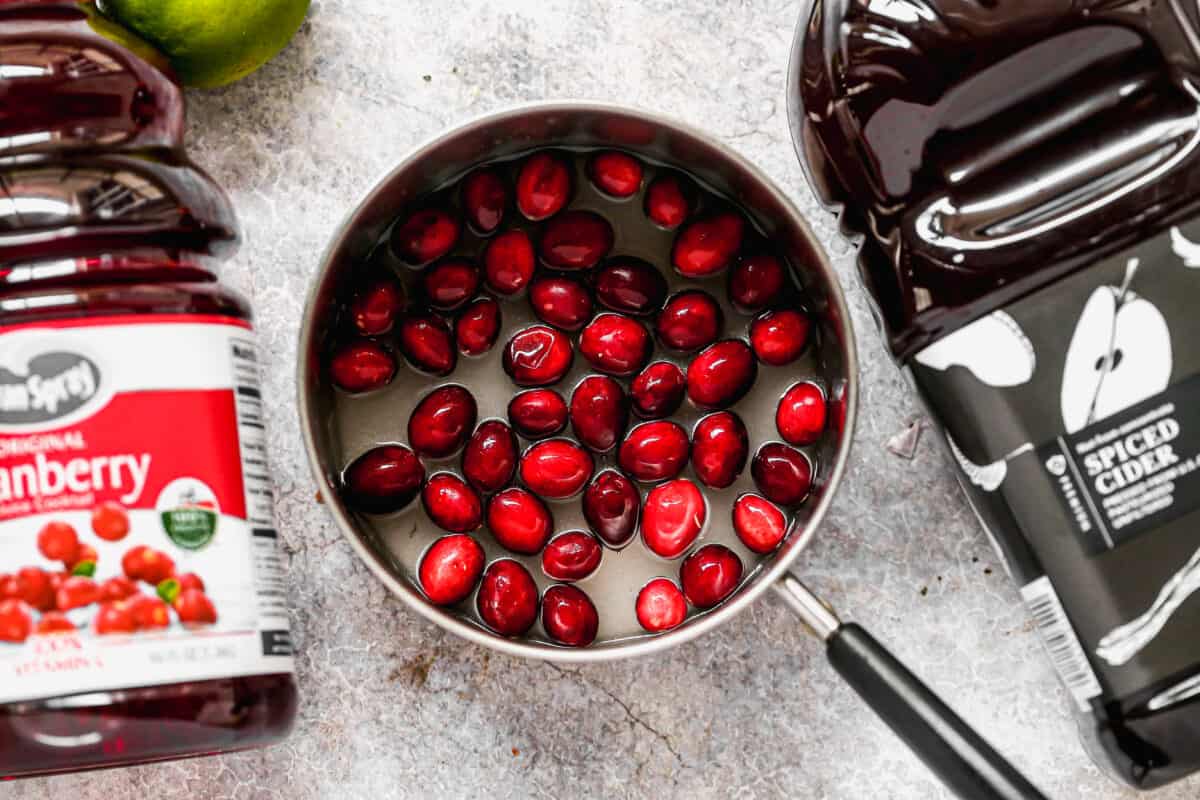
x=395, y=708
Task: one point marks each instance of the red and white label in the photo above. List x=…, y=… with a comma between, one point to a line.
x=137, y=543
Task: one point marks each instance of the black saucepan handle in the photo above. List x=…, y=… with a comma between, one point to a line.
x=948, y=746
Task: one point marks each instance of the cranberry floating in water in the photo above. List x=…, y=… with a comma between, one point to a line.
x=599, y=412
x=484, y=198
x=560, y=301
x=782, y=474
x=710, y=575
x=758, y=523
x=376, y=308
x=451, y=503
x=615, y=344
x=576, y=240
x=537, y=413
x=779, y=337
x=538, y=356
x=668, y=201
x=451, y=283
x=442, y=422
x=450, y=569
x=425, y=236
x=569, y=616
x=706, y=246
x=721, y=375
x=689, y=321
x=509, y=262
x=508, y=598
x=756, y=282
x=611, y=506
x=630, y=285
x=362, y=366
x=800, y=416
x=673, y=517
x=543, y=186
x=384, y=479
x=556, y=469
x=616, y=174
x=658, y=390
x=490, y=458
x=427, y=343
x=654, y=451
x=571, y=556
x=519, y=521
x=478, y=327
x=661, y=605
x=720, y=447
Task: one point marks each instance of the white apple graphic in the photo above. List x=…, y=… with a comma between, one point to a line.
x=986, y=476
x=993, y=348
x=1187, y=250
x=1120, y=354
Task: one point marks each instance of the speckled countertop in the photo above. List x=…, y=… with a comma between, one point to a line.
x=392, y=706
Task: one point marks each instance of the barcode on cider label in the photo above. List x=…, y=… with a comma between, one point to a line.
x=1066, y=653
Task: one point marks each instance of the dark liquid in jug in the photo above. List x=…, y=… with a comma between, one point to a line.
x=1024, y=177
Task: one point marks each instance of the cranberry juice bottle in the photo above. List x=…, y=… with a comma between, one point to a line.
x=141, y=613
x=1024, y=177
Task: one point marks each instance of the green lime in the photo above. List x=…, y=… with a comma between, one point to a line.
x=212, y=42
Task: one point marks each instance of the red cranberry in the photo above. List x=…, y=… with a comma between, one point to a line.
x=384, y=479
x=490, y=459
x=538, y=413
x=571, y=556
x=758, y=523
x=690, y=320
x=569, y=616
x=710, y=575
x=376, y=308
x=538, y=356
x=441, y=423
x=707, y=245
x=781, y=473
x=779, y=337
x=427, y=343
x=630, y=285
x=756, y=282
x=484, y=198
x=654, y=451
x=509, y=262
x=556, y=469
x=661, y=605
x=450, y=569
x=720, y=447
x=616, y=174
x=362, y=366
x=450, y=284
x=800, y=417
x=451, y=503
x=673, y=517
x=576, y=240
x=721, y=375
x=559, y=301
x=599, y=412
x=610, y=506
x=658, y=390
x=519, y=521
x=543, y=186
x=508, y=598
x=478, y=327
x=615, y=344
x=668, y=201
x=425, y=236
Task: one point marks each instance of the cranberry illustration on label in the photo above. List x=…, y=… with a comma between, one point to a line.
x=782, y=474
x=77, y=592
x=538, y=356
x=720, y=447
x=442, y=422
x=630, y=285
x=560, y=301
x=710, y=575
x=484, y=199
x=16, y=623
x=478, y=327
x=450, y=284
x=599, y=412
x=669, y=201
x=706, y=246
x=801, y=414
x=611, y=506
x=110, y=521
x=34, y=586
x=362, y=366
x=451, y=569
x=658, y=390
x=556, y=469
x=654, y=451
x=190, y=580
x=490, y=458
x=49, y=623
x=376, y=307
x=569, y=616
x=758, y=523
x=117, y=588
x=519, y=521
x=508, y=598
x=538, y=413
x=779, y=337
x=571, y=556
x=575, y=240
x=425, y=236
x=661, y=605
x=451, y=503
x=673, y=517
x=543, y=186
x=58, y=541
x=615, y=344
x=195, y=608
x=721, y=375
x=691, y=320
x=114, y=618
x=148, y=565
x=509, y=262
x=427, y=344
x=756, y=282
x=616, y=174
x=384, y=479
x=149, y=613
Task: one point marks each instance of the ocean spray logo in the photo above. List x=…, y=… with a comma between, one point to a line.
x=52, y=385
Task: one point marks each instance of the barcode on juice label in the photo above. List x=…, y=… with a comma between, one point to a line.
x=1066, y=653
